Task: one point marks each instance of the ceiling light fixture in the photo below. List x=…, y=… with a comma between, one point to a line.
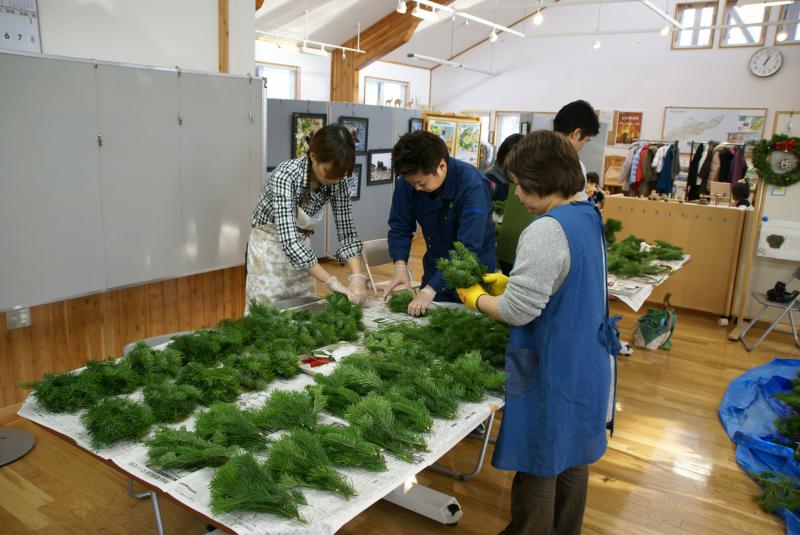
x=448, y=63
x=597, y=43
x=401, y=7
x=782, y=36
x=423, y=14
x=498, y=27
x=305, y=49
x=538, y=18
x=664, y=30
x=492, y=36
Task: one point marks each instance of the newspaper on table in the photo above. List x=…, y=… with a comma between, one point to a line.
x=634, y=291
x=326, y=512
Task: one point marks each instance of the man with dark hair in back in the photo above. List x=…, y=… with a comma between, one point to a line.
x=450, y=200
x=578, y=121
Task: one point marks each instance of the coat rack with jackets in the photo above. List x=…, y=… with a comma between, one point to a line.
x=714, y=162
x=650, y=165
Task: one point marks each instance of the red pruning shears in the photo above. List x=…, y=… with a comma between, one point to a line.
x=316, y=360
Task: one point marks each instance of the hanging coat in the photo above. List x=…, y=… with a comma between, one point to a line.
x=665, y=177
x=694, y=165
x=557, y=366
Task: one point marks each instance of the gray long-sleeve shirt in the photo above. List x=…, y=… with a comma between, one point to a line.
x=540, y=268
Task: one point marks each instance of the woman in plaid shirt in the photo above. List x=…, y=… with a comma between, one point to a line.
x=279, y=255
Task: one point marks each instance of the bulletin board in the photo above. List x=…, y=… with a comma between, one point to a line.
x=461, y=134
x=731, y=125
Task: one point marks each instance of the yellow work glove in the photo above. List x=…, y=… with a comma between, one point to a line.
x=496, y=282
x=469, y=296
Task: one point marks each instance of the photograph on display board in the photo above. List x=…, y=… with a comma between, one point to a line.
x=415, y=124
x=303, y=127
x=354, y=183
x=468, y=143
x=628, y=127
x=379, y=167
x=445, y=129
x=358, y=127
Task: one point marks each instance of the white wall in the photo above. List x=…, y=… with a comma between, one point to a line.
x=148, y=32
x=315, y=71
x=419, y=79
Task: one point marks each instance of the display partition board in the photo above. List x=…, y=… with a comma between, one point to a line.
x=461, y=134
x=124, y=175
x=731, y=125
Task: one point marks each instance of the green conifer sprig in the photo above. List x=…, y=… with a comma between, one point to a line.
x=216, y=384
x=626, y=258
x=337, y=396
x=179, y=449
x=462, y=269
x=64, y=392
x=410, y=412
x=201, y=346
x=611, y=228
x=171, y=402
x=284, y=363
x=359, y=378
x=375, y=417
x=778, y=491
x=116, y=419
x=112, y=377
x=287, y=409
x=254, y=370
x=440, y=399
x=346, y=446
x=228, y=425
x=145, y=360
x=299, y=456
x=399, y=301
x=471, y=373
x=242, y=484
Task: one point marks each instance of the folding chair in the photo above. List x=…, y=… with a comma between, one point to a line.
x=788, y=308
x=376, y=253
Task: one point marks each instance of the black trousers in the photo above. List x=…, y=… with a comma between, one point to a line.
x=548, y=505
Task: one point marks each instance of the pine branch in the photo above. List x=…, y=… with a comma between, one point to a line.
x=286, y=409
x=183, y=450
x=242, y=484
x=227, y=425
x=146, y=360
x=65, y=392
x=778, y=491
x=112, y=377
x=346, y=446
x=254, y=370
x=216, y=384
x=410, y=412
x=171, y=402
x=377, y=421
x=399, y=301
x=284, y=363
x=338, y=396
x=462, y=269
x=116, y=419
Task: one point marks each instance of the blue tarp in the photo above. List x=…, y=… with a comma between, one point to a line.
x=748, y=412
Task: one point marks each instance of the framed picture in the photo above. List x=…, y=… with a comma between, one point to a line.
x=358, y=127
x=468, y=139
x=354, y=183
x=303, y=127
x=379, y=167
x=627, y=127
x=524, y=128
x=445, y=129
x=415, y=124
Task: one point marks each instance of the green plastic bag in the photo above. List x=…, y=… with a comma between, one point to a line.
x=654, y=330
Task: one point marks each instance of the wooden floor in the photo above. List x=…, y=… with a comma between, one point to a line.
x=669, y=469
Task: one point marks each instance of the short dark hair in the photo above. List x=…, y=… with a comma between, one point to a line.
x=334, y=143
x=418, y=151
x=578, y=114
x=740, y=191
x=592, y=177
x=544, y=163
x=506, y=146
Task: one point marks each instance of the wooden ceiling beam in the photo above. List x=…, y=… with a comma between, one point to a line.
x=386, y=35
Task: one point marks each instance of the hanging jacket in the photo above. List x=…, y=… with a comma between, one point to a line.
x=738, y=166
x=692, y=182
x=557, y=366
x=637, y=156
x=639, y=174
x=725, y=159
x=658, y=160
x=665, y=177
x=705, y=166
x=625, y=172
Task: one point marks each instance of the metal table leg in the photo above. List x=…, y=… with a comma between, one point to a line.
x=462, y=476
x=154, y=500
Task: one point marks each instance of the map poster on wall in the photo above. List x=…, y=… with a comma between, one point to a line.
x=779, y=239
x=628, y=127
x=730, y=125
x=468, y=139
x=445, y=129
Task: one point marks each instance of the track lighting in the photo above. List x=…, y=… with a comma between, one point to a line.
x=538, y=18
x=597, y=44
x=664, y=31
x=492, y=36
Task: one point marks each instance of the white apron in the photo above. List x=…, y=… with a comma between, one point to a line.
x=270, y=275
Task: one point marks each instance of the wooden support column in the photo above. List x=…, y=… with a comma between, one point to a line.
x=389, y=33
x=222, y=21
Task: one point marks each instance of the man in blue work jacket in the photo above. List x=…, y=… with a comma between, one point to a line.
x=451, y=201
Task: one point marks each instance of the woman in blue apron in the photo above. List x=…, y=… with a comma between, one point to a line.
x=280, y=262
x=557, y=359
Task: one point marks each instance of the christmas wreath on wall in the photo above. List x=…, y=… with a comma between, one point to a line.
x=778, y=160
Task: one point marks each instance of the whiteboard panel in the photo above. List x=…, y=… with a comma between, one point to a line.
x=215, y=169
x=139, y=162
x=51, y=229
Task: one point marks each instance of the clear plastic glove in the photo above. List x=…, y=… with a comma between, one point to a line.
x=335, y=286
x=399, y=280
x=419, y=305
x=469, y=296
x=496, y=283
x=358, y=287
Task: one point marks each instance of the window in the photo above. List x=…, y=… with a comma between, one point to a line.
x=484, y=115
x=740, y=17
x=283, y=81
x=506, y=123
x=381, y=92
x=789, y=34
x=697, y=18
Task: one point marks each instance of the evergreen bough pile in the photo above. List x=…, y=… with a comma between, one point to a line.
x=346, y=446
x=112, y=377
x=116, y=419
x=64, y=392
x=374, y=415
x=611, y=228
x=242, y=484
x=462, y=269
x=179, y=449
x=216, y=384
x=626, y=258
x=399, y=301
x=287, y=409
x=777, y=492
x=145, y=360
x=171, y=402
x=254, y=370
x=227, y=425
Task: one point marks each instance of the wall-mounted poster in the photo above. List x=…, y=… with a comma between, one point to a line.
x=354, y=183
x=786, y=123
x=628, y=127
x=415, y=124
x=379, y=167
x=445, y=129
x=731, y=125
x=303, y=127
x=468, y=139
x=358, y=127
